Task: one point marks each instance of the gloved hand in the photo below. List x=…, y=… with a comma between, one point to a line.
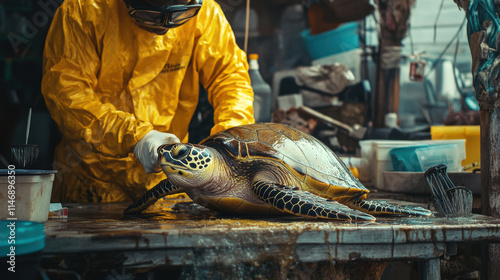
x=146, y=150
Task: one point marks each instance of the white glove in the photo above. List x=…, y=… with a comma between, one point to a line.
x=146, y=150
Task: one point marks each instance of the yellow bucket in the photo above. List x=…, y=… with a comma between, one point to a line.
x=472, y=136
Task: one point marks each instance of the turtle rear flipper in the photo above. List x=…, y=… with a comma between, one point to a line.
x=163, y=188
x=382, y=207
x=303, y=203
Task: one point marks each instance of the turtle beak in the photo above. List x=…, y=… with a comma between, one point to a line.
x=165, y=148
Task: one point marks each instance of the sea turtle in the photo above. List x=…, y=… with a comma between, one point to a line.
x=266, y=168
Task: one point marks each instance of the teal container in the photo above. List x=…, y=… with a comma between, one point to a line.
x=341, y=39
x=21, y=245
x=419, y=158
x=406, y=159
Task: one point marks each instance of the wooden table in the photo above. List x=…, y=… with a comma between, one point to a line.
x=207, y=242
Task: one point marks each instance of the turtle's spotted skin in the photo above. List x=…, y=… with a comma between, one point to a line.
x=266, y=168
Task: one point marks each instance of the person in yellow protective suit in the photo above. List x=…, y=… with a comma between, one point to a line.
x=122, y=77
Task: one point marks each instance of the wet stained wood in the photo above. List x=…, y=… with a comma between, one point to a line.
x=490, y=162
x=490, y=182
x=177, y=234
x=181, y=234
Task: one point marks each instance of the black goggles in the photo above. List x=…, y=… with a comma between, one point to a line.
x=163, y=16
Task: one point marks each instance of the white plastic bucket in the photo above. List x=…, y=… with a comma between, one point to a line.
x=32, y=197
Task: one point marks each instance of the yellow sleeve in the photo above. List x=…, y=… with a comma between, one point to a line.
x=71, y=65
x=223, y=70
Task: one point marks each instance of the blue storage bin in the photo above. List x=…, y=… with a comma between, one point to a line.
x=419, y=158
x=405, y=158
x=338, y=40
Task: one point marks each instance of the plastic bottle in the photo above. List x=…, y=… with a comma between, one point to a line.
x=262, y=91
x=391, y=120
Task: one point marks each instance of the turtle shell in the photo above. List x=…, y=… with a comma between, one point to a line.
x=318, y=168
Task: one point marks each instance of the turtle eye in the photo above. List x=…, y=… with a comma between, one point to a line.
x=180, y=152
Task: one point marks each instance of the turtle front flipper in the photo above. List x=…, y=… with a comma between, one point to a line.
x=163, y=188
x=303, y=203
x=382, y=207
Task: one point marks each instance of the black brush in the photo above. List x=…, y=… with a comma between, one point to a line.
x=448, y=199
x=25, y=155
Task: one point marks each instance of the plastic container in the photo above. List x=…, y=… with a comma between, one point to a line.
x=350, y=59
x=262, y=91
x=405, y=158
x=451, y=155
x=377, y=154
x=382, y=161
x=354, y=165
x=366, y=155
x=471, y=134
x=33, y=189
x=340, y=39
x=25, y=253
x=377, y=158
x=391, y=120
x=420, y=158
x=415, y=182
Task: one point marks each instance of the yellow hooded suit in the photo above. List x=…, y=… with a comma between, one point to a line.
x=107, y=83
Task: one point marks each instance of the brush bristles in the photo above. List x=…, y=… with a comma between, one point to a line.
x=24, y=156
x=449, y=200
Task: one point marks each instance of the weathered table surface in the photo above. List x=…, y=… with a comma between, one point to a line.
x=193, y=236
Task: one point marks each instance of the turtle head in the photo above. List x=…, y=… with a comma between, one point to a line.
x=186, y=164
